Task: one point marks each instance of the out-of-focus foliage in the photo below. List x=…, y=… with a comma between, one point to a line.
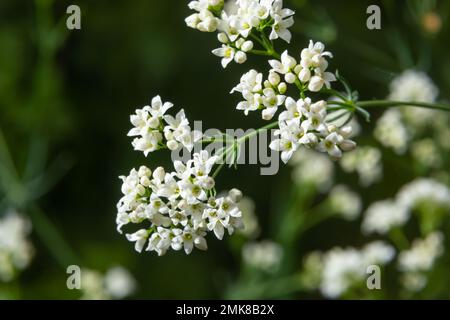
x=65, y=100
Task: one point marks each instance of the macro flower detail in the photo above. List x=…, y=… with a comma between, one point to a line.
x=179, y=207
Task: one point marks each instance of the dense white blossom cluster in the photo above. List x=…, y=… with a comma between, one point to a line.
x=341, y=269
x=16, y=251
x=302, y=122
x=178, y=208
x=237, y=20
x=154, y=129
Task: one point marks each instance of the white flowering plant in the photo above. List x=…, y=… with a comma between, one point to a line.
x=177, y=209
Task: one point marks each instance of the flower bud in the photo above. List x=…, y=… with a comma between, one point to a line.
x=347, y=145
x=159, y=173
x=222, y=37
x=247, y=46
x=274, y=78
x=193, y=20
x=304, y=75
x=145, y=181
x=209, y=183
x=282, y=88
x=267, y=114
x=172, y=145
x=153, y=122
x=239, y=43
x=235, y=195
x=289, y=77
x=144, y=171
x=240, y=57
x=316, y=84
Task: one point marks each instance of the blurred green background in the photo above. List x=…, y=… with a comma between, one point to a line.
x=65, y=101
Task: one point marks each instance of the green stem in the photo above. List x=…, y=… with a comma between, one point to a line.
x=388, y=103
x=52, y=239
x=238, y=142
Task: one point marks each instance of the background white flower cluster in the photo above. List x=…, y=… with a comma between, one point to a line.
x=16, y=250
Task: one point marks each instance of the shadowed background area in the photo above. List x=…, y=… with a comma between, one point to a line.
x=65, y=101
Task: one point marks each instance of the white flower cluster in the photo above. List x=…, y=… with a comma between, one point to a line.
x=396, y=128
x=345, y=202
x=391, y=131
x=345, y=268
x=311, y=71
x=16, y=250
x=382, y=216
x=419, y=259
x=312, y=169
x=116, y=283
x=265, y=255
x=416, y=86
x=267, y=96
x=302, y=123
x=366, y=162
x=154, y=129
x=424, y=190
x=179, y=207
x=236, y=22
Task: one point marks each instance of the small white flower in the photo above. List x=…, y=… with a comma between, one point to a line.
x=280, y=29
x=286, y=66
x=226, y=53
x=140, y=237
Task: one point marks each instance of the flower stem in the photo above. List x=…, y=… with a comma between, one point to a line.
x=237, y=142
x=388, y=103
